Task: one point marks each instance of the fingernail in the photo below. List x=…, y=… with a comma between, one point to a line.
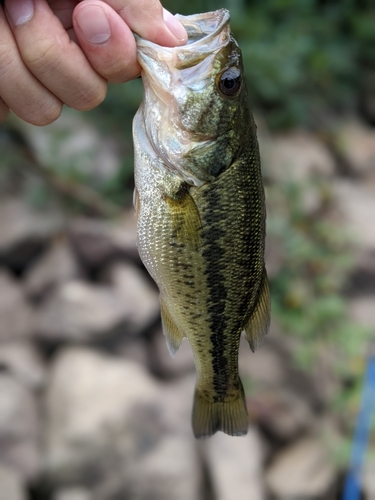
x=20, y=11
x=174, y=26
x=94, y=24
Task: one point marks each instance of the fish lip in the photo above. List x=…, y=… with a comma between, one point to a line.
x=210, y=25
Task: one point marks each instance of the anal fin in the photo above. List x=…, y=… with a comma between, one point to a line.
x=258, y=323
x=172, y=333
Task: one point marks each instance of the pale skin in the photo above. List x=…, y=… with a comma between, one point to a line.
x=56, y=52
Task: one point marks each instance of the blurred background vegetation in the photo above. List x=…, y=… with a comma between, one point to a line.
x=310, y=64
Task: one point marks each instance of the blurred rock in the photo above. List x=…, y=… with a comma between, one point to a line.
x=73, y=493
x=236, y=466
x=272, y=399
x=264, y=367
x=172, y=469
x=56, y=266
x=24, y=229
x=80, y=311
x=362, y=310
x=368, y=478
x=297, y=155
x=106, y=430
x=161, y=361
x=16, y=316
x=140, y=298
x=356, y=201
x=19, y=432
x=362, y=278
x=302, y=470
x=169, y=472
x=274, y=255
x=283, y=413
x=23, y=362
x=356, y=145
x=97, y=241
x=132, y=348
x=93, y=404
x=73, y=140
x=11, y=485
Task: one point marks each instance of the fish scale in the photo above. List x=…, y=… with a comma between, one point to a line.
x=201, y=211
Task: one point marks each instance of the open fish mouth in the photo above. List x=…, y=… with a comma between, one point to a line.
x=178, y=84
x=207, y=34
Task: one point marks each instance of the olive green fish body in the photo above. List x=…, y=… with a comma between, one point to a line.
x=201, y=228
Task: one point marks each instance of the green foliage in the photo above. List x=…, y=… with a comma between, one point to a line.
x=307, y=290
x=302, y=58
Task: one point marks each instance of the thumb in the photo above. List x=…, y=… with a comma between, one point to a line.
x=148, y=19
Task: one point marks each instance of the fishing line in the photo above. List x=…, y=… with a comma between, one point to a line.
x=352, y=486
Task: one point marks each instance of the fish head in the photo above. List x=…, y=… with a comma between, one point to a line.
x=195, y=102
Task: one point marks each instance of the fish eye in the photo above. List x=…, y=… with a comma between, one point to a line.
x=230, y=82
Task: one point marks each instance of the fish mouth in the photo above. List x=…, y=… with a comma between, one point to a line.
x=207, y=34
x=168, y=73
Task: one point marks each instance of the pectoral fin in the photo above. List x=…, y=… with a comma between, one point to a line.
x=258, y=323
x=171, y=331
x=136, y=202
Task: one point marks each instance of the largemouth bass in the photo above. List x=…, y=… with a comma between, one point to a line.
x=201, y=211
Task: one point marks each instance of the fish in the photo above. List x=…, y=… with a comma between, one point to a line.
x=200, y=206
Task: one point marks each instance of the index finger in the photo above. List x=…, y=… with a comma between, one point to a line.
x=148, y=19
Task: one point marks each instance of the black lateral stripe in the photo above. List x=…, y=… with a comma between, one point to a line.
x=213, y=253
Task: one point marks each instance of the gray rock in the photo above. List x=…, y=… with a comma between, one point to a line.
x=236, y=466
x=56, y=266
x=271, y=398
x=362, y=310
x=23, y=361
x=93, y=402
x=303, y=470
x=356, y=202
x=96, y=241
x=108, y=430
x=264, y=367
x=284, y=413
x=172, y=468
x=73, y=140
x=11, y=485
x=16, y=316
x=21, y=224
x=163, y=363
x=73, y=493
x=356, y=144
x=296, y=155
x=140, y=299
x=133, y=348
x=19, y=430
x=368, y=479
x=80, y=311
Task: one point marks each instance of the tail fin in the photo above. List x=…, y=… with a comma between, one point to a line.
x=229, y=415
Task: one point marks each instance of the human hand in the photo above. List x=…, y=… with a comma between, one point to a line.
x=55, y=52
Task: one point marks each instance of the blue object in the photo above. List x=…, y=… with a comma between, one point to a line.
x=352, y=487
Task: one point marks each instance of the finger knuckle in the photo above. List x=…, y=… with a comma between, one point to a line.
x=6, y=62
x=42, y=56
x=44, y=115
x=91, y=98
x=117, y=72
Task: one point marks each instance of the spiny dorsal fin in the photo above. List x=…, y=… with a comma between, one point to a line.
x=171, y=331
x=258, y=323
